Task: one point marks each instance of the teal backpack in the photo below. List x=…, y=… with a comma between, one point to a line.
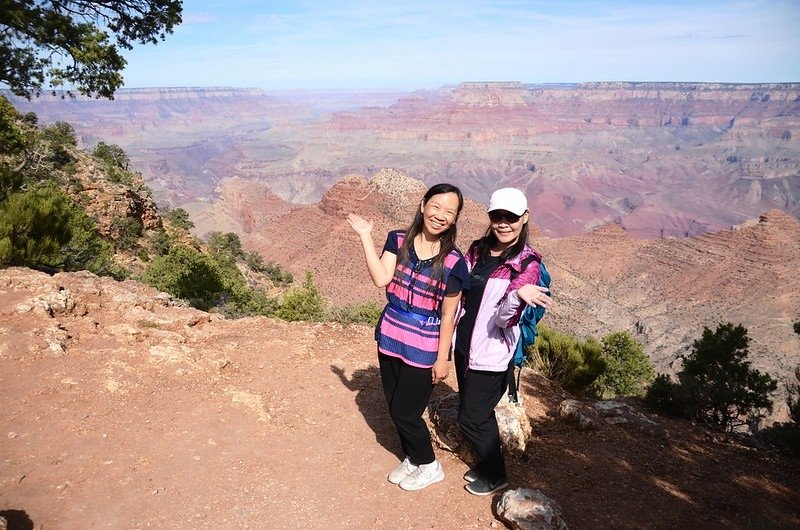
x=530, y=317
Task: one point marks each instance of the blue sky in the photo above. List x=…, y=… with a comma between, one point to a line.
x=426, y=44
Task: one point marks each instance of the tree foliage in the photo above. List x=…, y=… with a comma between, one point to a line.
x=716, y=385
x=180, y=218
x=77, y=42
x=664, y=395
x=44, y=229
x=720, y=388
x=111, y=154
x=628, y=371
x=55, y=149
x=159, y=242
x=786, y=436
x=793, y=399
x=115, y=162
x=574, y=363
x=303, y=302
x=273, y=271
x=227, y=243
x=188, y=274
x=127, y=231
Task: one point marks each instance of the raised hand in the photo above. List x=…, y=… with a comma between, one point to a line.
x=361, y=226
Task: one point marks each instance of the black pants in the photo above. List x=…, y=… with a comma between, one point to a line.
x=408, y=390
x=479, y=393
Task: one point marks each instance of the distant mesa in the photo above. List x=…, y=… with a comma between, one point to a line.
x=668, y=159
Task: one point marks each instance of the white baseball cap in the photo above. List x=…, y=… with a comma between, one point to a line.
x=508, y=199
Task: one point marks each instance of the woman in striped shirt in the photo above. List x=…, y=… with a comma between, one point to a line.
x=423, y=273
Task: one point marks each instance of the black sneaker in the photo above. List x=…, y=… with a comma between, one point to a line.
x=482, y=486
x=472, y=475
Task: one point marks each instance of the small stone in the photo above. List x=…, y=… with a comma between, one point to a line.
x=12, y=434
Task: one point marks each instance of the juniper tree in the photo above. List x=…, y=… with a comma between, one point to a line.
x=719, y=388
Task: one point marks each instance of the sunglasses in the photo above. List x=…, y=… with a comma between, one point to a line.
x=498, y=216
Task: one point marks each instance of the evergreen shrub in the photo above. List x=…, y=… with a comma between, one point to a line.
x=628, y=371
x=574, y=363
x=303, y=302
x=188, y=274
x=366, y=313
x=716, y=386
x=44, y=229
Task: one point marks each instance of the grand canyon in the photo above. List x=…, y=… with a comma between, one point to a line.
x=659, y=159
x=659, y=208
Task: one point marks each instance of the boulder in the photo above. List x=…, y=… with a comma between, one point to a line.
x=530, y=509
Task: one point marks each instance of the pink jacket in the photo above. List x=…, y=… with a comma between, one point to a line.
x=495, y=335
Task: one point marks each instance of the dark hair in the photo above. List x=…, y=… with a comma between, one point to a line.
x=485, y=244
x=447, y=239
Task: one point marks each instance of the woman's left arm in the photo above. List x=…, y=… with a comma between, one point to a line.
x=448, y=325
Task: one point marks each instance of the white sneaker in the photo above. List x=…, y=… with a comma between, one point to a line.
x=423, y=476
x=402, y=471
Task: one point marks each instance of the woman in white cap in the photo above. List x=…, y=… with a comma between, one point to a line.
x=504, y=272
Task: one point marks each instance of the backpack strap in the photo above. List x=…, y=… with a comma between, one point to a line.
x=524, y=265
x=512, y=378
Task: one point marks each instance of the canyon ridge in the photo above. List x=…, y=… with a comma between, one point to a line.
x=660, y=159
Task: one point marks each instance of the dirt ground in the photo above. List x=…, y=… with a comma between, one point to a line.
x=121, y=413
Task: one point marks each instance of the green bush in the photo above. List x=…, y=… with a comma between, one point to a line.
x=30, y=119
x=188, y=274
x=272, y=271
x=44, y=229
x=61, y=140
x=228, y=244
x=127, y=231
x=113, y=155
x=574, y=363
x=115, y=163
x=180, y=218
x=13, y=139
x=242, y=301
x=628, y=371
x=10, y=180
x=254, y=261
x=15, y=142
x=303, y=303
x=366, y=313
x=719, y=388
x=664, y=396
x=159, y=242
x=277, y=275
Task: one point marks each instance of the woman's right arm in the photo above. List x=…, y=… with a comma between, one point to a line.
x=381, y=269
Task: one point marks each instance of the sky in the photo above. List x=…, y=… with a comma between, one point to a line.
x=418, y=44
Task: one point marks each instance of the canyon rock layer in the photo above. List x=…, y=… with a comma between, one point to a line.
x=661, y=159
